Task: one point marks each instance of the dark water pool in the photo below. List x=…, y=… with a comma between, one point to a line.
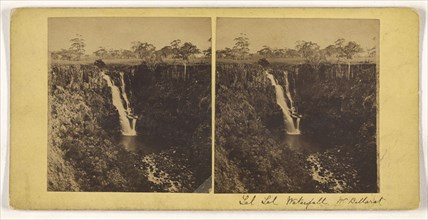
x=302, y=143
x=142, y=144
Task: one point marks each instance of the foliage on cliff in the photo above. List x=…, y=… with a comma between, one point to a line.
x=340, y=114
x=176, y=106
x=248, y=156
x=85, y=153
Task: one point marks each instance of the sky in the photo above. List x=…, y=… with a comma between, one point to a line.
x=281, y=33
x=118, y=33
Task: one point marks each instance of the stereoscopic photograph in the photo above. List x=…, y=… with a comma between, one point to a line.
x=296, y=105
x=129, y=104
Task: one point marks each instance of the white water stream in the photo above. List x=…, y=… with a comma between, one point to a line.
x=288, y=112
x=126, y=118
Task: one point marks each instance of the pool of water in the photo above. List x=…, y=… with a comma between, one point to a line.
x=302, y=143
x=144, y=144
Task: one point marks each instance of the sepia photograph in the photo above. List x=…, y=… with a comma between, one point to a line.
x=129, y=104
x=296, y=105
x=213, y=109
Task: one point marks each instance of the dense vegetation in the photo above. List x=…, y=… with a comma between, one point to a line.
x=339, y=112
x=85, y=153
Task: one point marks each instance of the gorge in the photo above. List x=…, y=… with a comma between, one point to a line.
x=129, y=128
x=260, y=142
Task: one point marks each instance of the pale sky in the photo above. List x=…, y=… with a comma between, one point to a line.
x=118, y=33
x=281, y=33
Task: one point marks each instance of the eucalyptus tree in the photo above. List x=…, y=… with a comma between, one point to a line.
x=183, y=52
x=241, y=46
x=344, y=51
x=312, y=53
x=77, y=47
x=101, y=52
x=144, y=51
x=266, y=51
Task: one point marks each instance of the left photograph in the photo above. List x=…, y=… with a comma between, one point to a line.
x=129, y=104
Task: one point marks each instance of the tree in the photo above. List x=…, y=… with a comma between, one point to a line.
x=77, y=47
x=126, y=54
x=346, y=51
x=55, y=55
x=183, y=52
x=311, y=53
x=208, y=52
x=101, y=52
x=187, y=50
x=266, y=51
x=280, y=52
x=62, y=54
x=241, y=46
x=144, y=51
x=114, y=54
x=175, y=49
x=226, y=53
x=292, y=53
x=336, y=50
x=330, y=50
x=166, y=51
x=371, y=52
x=350, y=50
x=175, y=44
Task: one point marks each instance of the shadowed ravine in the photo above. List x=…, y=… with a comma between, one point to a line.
x=129, y=128
x=287, y=128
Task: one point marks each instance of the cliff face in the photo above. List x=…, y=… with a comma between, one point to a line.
x=176, y=106
x=338, y=113
x=81, y=126
x=345, y=107
x=346, y=111
x=85, y=153
x=249, y=156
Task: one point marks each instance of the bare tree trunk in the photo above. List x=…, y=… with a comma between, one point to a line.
x=349, y=69
x=340, y=70
x=185, y=70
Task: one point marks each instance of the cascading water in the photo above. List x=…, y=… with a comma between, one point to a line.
x=126, y=118
x=293, y=108
x=122, y=87
x=292, y=129
x=287, y=89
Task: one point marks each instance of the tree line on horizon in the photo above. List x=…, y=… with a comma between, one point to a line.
x=341, y=51
x=311, y=51
x=147, y=52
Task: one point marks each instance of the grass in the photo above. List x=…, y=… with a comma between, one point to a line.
x=294, y=61
x=132, y=61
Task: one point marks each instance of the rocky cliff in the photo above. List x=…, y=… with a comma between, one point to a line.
x=337, y=112
x=85, y=153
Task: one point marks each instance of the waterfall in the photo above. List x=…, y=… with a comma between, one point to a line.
x=122, y=87
x=292, y=129
x=294, y=83
x=126, y=118
x=287, y=90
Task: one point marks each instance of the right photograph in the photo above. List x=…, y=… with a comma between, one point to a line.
x=296, y=105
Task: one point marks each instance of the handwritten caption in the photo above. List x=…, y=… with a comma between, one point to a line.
x=309, y=201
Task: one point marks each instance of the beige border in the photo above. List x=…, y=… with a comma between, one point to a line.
x=398, y=111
